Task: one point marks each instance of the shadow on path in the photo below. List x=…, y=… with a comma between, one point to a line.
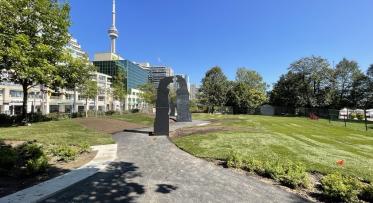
x=111, y=185
x=165, y=188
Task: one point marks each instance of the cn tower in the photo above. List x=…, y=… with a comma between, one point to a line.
x=113, y=32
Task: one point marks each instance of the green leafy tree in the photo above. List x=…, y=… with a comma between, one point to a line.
x=248, y=92
x=74, y=72
x=119, y=89
x=285, y=91
x=315, y=82
x=149, y=93
x=347, y=76
x=370, y=71
x=88, y=90
x=33, y=34
x=214, y=88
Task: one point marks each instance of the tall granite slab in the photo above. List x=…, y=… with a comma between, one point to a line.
x=161, y=123
x=182, y=101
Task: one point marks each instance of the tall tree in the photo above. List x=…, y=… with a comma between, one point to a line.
x=286, y=91
x=370, y=71
x=119, y=89
x=214, y=88
x=251, y=78
x=74, y=72
x=346, y=75
x=32, y=36
x=316, y=76
x=88, y=90
x=149, y=93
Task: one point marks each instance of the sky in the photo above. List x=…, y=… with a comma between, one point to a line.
x=192, y=36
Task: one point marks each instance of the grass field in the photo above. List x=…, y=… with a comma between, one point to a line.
x=139, y=118
x=56, y=132
x=316, y=144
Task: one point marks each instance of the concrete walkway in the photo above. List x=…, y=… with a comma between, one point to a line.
x=152, y=169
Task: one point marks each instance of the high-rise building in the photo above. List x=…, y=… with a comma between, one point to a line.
x=75, y=49
x=112, y=63
x=193, y=91
x=157, y=73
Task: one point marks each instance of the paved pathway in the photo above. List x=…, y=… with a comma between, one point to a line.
x=152, y=169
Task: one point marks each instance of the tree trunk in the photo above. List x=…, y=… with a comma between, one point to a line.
x=24, y=103
x=74, y=102
x=86, y=107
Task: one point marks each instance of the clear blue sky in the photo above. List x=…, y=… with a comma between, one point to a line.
x=194, y=35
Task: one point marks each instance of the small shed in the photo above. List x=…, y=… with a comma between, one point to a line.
x=267, y=110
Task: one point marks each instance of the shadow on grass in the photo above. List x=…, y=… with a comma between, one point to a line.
x=111, y=185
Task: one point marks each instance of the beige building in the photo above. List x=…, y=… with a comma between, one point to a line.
x=46, y=101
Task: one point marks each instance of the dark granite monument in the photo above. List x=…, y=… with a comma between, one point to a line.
x=182, y=101
x=161, y=123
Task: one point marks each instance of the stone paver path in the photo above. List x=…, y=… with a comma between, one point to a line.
x=152, y=169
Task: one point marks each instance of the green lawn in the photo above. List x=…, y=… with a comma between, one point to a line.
x=56, y=132
x=140, y=118
x=317, y=144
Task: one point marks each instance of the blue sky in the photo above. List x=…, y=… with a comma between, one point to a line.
x=193, y=35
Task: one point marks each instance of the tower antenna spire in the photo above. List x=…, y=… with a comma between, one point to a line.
x=113, y=32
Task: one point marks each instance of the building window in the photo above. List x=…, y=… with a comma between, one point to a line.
x=53, y=108
x=16, y=93
x=101, y=98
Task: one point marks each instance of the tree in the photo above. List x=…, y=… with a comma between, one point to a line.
x=74, y=72
x=149, y=93
x=88, y=90
x=286, y=91
x=247, y=92
x=346, y=75
x=32, y=39
x=214, y=88
x=251, y=78
x=370, y=71
x=119, y=89
x=315, y=82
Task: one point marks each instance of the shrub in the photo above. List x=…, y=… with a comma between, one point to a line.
x=340, y=188
x=234, y=160
x=6, y=120
x=36, y=165
x=84, y=147
x=65, y=152
x=109, y=113
x=352, y=115
x=360, y=116
x=294, y=175
x=135, y=110
x=58, y=116
x=31, y=158
x=367, y=193
x=8, y=158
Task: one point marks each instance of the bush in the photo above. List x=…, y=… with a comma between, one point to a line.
x=58, y=116
x=31, y=158
x=36, y=165
x=352, y=116
x=65, y=152
x=360, y=116
x=367, y=193
x=234, y=160
x=109, y=113
x=84, y=147
x=8, y=158
x=6, y=120
x=340, y=188
x=294, y=176
x=135, y=110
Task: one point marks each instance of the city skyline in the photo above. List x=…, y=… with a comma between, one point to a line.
x=282, y=33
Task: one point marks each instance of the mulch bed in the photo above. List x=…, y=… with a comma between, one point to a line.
x=107, y=125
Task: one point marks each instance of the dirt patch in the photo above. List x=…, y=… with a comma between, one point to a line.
x=197, y=130
x=107, y=125
x=9, y=185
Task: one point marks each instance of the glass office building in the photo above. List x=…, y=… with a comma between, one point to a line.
x=134, y=74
